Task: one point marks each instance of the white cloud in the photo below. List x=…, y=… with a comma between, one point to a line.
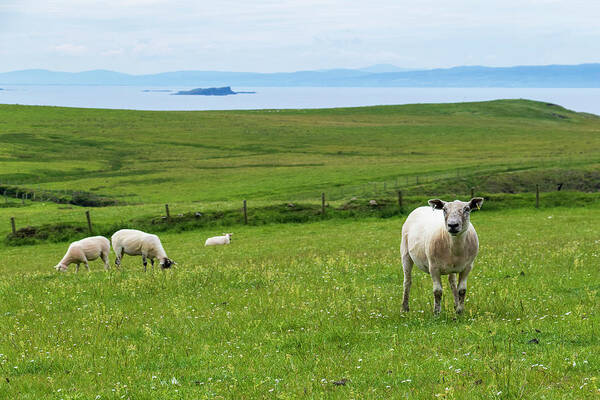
x=271, y=35
x=70, y=49
x=112, y=52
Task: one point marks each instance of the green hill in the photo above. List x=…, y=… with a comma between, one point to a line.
x=155, y=157
x=292, y=310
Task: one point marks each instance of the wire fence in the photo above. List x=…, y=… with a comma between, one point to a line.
x=460, y=182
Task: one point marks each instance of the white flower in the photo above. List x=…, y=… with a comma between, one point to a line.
x=174, y=381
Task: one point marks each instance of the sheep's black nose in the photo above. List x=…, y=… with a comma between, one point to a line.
x=453, y=226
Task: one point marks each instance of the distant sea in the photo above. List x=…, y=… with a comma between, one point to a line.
x=156, y=98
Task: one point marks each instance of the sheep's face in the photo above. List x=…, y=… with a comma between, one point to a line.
x=60, y=267
x=167, y=263
x=456, y=213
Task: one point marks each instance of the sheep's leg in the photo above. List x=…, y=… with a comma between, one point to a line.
x=152, y=262
x=462, y=289
x=104, y=257
x=452, y=282
x=87, y=266
x=407, y=264
x=77, y=268
x=437, y=289
x=144, y=261
x=119, y=253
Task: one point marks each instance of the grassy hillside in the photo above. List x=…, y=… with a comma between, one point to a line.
x=149, y=157
x=300, y=310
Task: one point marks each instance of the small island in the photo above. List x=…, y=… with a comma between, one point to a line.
x=221, y=91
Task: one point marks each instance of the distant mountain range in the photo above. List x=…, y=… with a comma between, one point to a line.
x=382, y=75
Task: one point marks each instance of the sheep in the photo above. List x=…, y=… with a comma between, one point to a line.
x=219, y=240
x=441, y=241
x=85, y=250
x=135, y=243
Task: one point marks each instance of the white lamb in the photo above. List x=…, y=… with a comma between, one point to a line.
x=219, y=240
x=135, y=243
x=441, y=241
x=85, y=250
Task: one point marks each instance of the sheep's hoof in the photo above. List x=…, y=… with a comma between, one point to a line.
x=405, y=308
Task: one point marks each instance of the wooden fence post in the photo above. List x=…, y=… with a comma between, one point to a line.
x=89, y=220
x=23, y=199
x=537, y=196
x=472, y=192
x=323, y=204
x=12, y=224
x=400, y=199
x=245, y=213
x=167, y=211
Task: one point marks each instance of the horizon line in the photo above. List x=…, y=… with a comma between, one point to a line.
x=405, y=69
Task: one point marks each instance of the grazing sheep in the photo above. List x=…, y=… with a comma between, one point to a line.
x=135, y=243
x=219, y=240
x=85, y=250
x=441, y=241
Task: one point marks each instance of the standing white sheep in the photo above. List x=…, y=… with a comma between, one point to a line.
x=219, y=240
x=441, y=241
x=135, y=243
x=85, y=250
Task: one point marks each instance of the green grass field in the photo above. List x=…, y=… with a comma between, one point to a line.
x=313, y=309
x=148, y=157
x=287, y=310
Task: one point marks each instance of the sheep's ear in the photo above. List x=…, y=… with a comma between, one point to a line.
x=436, y=204
x=475, y=203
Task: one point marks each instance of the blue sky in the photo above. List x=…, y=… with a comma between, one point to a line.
x=147, y=36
